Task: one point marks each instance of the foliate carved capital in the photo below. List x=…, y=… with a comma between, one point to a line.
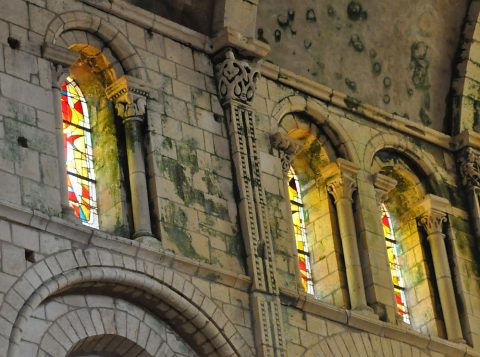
x=469, y=167
x=236, y=80
x=287, y=148
x=433, y=221
x=341, y=179
x=342, y=187
x=129, y=103
x=383, y=185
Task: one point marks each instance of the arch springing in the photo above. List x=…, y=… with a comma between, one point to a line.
x=395, y=271
x=298, y=217
x=82, y=195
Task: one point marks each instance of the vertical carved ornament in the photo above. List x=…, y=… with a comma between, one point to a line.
x=236, y=89
x=469, y=166
x=287, y=149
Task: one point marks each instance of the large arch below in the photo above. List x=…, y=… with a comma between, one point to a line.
x=165, y=292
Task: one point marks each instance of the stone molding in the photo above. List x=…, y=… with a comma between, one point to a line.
x=369, y=323
x=341, y=179
x=236, y=80
x=343, y=101
x=383, y=185
x=469, y=167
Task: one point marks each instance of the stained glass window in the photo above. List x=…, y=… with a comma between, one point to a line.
x=78, y=153
x=298, y=216
x=397, y=278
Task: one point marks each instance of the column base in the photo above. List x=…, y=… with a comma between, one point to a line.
x=459, y=340
x=367, y=311
x=149, y=242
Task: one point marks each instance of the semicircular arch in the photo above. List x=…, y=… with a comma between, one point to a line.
x=320, y=116
x=70, y=269
x=117, y=42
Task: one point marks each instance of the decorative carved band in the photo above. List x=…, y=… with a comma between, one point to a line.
x=469, y=166
x=236, y=79
x=433, y=221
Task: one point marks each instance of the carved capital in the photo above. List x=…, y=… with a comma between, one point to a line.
x=236, y=80
x=469, y=167
x=341, y=179
x=129, y=102
x=287, y=148
x=433, y=221
x=383, y=185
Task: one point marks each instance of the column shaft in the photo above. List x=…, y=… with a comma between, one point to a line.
x=346, y=224
x=137, y=177
x=445, y=286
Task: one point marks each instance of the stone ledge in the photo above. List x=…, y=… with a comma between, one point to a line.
x=95, y=238
x=364, y=322
x=350, y=104
x=152, y=22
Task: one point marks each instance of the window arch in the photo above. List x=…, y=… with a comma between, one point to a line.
x=395, y=269
x=298, y=218
x=420, y=291
x=306, y=196
x=94, y=143
x=77, y=134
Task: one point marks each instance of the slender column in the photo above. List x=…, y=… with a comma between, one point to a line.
x=130, y=106
x=341, y=182
x=236, y=88
x=432, y=220
x=469, y=167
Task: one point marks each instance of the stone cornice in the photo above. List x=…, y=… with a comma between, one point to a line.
x=363, y=322
x=341, y=100
x=85, y=236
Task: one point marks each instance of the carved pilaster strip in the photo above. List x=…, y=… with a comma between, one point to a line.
x=236, y=88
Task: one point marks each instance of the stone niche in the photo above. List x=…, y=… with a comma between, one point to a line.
x=195, y=14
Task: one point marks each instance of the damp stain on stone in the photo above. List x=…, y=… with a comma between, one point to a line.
x=410, y=91
x=386, y=99
x=419, y=65
x=260, y=35
x=387, y=82
x=331, y=11
x=352, y=85
x=356, y=43
x=351, y=102
x=278, y=35
x=307, y=44
x=376, y=68
x=424, y=117
x=356, y=12
x=310, y=15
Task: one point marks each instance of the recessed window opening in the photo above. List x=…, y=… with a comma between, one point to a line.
x=298, y=217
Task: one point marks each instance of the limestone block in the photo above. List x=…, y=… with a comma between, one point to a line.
x=181, y=91
x=28, y=164
x=39, y=196
x=188, y=76
x=25, y=92
x=15, y=12
x=13, y=194
x=179, y=53
x=201, y=99
x=167, y=67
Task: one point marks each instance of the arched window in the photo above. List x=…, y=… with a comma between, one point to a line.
x=298, y=217
x=396, y=273
x=78, y=153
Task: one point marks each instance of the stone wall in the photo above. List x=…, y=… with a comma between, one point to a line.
x=213, y=278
